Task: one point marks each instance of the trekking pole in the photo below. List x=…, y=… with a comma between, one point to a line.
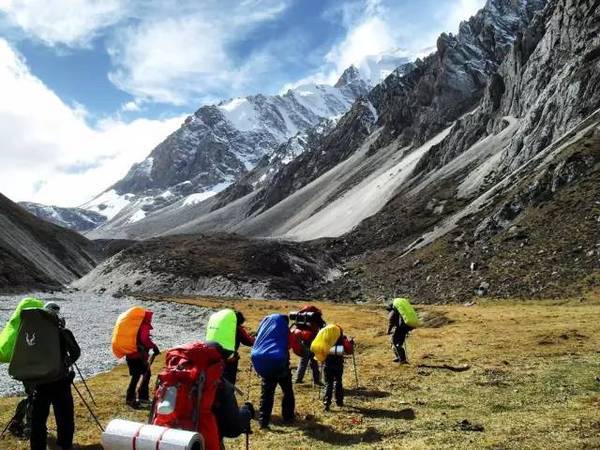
x=7, y=427
x=85, y=384
x=88, y=407
x=354, y=364
x=249, y=381
x=247, y=441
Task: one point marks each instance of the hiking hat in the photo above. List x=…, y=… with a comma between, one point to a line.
x=52, y=307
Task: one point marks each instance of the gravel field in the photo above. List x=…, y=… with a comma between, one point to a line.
x=92, y=318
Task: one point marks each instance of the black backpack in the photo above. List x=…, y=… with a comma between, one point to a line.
x=39, y=356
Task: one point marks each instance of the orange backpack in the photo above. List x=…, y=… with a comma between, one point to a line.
x=124, y=337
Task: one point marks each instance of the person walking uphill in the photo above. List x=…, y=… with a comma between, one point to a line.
x=225, y=327
x=131, y=338
x=44, y=352
x=271, y=360
x=307, y=323
x=139, y=365
x=329, y=346
x=402, y=320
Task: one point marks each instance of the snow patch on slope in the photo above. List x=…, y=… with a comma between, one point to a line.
x=109, y=203
x=241, y=113
x=199, y=197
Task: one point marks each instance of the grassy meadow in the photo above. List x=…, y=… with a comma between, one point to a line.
x=494, y=374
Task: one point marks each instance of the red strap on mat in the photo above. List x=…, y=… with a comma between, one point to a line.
x=135, y=436
x=160, y=438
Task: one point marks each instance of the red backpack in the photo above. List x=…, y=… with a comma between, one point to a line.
x=186, y=389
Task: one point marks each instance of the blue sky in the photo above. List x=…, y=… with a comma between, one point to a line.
x=116, y=64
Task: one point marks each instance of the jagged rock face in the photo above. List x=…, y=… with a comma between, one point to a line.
x=76, y=219
x=550, y=80
x=450, y=82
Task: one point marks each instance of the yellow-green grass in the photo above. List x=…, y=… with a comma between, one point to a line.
x=530, y=381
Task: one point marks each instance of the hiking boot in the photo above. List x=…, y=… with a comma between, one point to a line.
x=340, y=404
x=299, y=381
x=319, y=383
x=396, y=360
x=133, y=404
x=327, y=408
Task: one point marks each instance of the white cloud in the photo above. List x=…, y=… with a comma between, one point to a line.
x=176, y=58
x=377, y=27
x=69, y=22
x=461, y=10
x=131, y=106
x=49, y=153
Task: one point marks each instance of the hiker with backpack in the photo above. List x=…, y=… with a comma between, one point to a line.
x=307, y=323
x=329, y=346
x=402, y=320
x=225, y=327
x=20, y=424
x=44, y=352
x=131, y=339
x=232, y=420
x=271, y=360
x=191, y=394
x=139, y=365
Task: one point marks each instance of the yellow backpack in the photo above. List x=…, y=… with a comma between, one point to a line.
x=124, y=337
x=325, y=339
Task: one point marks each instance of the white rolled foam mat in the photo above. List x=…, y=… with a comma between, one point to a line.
x=126, y=435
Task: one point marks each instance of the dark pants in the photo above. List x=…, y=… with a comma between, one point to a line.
x=57, y=394
x=231, y=419
x=231, y=370
x=138, y=368
x=303, y=365
x=334, y=370
x=267, y=397
x=398, y=339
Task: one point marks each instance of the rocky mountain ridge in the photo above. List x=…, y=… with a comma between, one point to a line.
x=76, y=219
x=35, y=254
x=407, y=112
x=219, y=144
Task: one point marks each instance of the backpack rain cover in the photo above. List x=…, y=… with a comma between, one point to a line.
x=408, y=313
x=326, y=338
x=124, y=337
x=37, y=357
x=270, y=355
x=221, y=328
x=8, y=336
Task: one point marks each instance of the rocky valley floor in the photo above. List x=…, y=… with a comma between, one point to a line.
x=495, y=374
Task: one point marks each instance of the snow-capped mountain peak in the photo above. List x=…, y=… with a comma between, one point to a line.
x=221, y=143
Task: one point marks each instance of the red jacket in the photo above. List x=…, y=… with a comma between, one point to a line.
x=144, y=340
x=242, y=337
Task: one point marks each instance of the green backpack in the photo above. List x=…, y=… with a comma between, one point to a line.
x=408, y=313
x=8, y=336
x=221, y=328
